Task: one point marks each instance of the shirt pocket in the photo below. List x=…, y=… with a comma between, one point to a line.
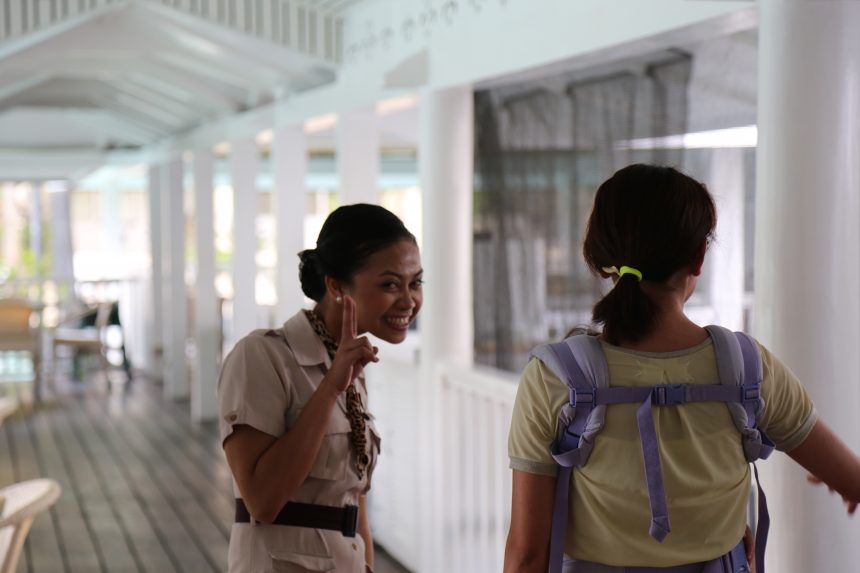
x=290, y=562
x=334, y=454
x=300, y=549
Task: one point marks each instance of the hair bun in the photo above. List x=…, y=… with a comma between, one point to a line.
x=313, y=283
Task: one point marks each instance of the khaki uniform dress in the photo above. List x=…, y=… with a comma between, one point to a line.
x=265, y=382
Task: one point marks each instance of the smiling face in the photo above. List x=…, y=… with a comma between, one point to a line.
x=387, y=291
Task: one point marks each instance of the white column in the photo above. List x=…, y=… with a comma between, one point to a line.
x=446, y=324
x=11, y=225
x=244, y=164
x=358, y=156
x=154, y=326
x=112, y=223
x=62, y=254
x=727, y=253
x=175, y=318
x=289, y=168
x=36, y=226
x=807, y=253
x=207, y=335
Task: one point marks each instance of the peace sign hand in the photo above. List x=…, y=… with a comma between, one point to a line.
x=353, y=352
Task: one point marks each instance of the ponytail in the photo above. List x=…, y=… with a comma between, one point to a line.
x=654, y=218
x=626, y=312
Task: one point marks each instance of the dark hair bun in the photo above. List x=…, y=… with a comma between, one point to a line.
x=313, y=282
x=349, y=237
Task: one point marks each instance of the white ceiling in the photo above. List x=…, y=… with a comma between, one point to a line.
x=89, y=78
x=134, y=72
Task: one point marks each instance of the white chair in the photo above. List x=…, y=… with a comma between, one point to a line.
x=85, y=339
x=20, y=503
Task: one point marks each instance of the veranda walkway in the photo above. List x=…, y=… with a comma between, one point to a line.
x=144, y=488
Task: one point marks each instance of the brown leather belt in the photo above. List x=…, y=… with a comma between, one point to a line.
x=343, y=519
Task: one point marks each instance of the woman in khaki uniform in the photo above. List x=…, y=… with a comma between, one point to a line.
x=294, y=425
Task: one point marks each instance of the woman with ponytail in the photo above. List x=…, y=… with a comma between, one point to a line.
x=649, y=232
x=294, y=424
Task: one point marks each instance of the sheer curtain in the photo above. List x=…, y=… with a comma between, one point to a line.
x=541, y=150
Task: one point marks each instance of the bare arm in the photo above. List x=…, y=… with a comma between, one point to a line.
x=527, y=549
x=268, y=470
x=364, y=531
x=831, y=461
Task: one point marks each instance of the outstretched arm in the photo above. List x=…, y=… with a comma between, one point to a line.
x=527, y=549
x=830, y=461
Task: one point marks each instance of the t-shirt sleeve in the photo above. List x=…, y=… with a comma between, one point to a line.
x=251, y=391
x=533, y=424
x=789, y=413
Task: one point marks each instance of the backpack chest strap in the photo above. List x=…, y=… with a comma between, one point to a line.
x=668, y=394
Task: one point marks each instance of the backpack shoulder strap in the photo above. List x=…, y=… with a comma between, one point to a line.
x=739, y=364
x=579, y=362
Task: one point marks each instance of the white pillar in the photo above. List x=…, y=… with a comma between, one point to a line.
x=36, y=226
x=175, y=318
x=358, y=156
x=154, y=326
x=111, y=218
x=727, y=253
x=62, y=254
x=204, y=405
x=11, y=226
x=289, y=167
x=244, y=164
x=446, y=324
x=807, y=249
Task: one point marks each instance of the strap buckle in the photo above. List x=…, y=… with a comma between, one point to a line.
x=582, y=396
x=669, y=395
x=350, y=520
x=750, y=392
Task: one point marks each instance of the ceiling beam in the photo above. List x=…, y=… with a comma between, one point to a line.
x=114, y=128
x=158, y=75
x=185, y=112
x=11, y=47
x=240, y=46
x=13, y=88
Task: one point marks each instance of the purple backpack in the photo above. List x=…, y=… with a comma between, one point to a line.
x=579, y=362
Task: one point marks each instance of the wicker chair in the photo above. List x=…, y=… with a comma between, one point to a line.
x=20, y=503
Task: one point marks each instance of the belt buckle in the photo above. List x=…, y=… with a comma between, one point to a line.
x=350, y=520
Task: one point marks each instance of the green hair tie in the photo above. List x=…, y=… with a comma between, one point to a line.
x=624, y=270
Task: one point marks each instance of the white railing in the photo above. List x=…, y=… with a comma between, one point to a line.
x=470, y=474
x=476, y=482
x=394, y=500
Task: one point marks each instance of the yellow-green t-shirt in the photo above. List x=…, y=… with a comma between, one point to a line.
x=706, y=476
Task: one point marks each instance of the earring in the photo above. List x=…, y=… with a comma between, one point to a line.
x=339, y=300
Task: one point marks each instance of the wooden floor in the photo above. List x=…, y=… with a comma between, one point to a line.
x=144, y=489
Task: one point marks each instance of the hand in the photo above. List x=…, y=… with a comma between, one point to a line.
x=353, y=353
x=749, y=548
x=851, y=505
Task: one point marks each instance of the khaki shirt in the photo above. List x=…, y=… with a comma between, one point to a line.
x=265, y=382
